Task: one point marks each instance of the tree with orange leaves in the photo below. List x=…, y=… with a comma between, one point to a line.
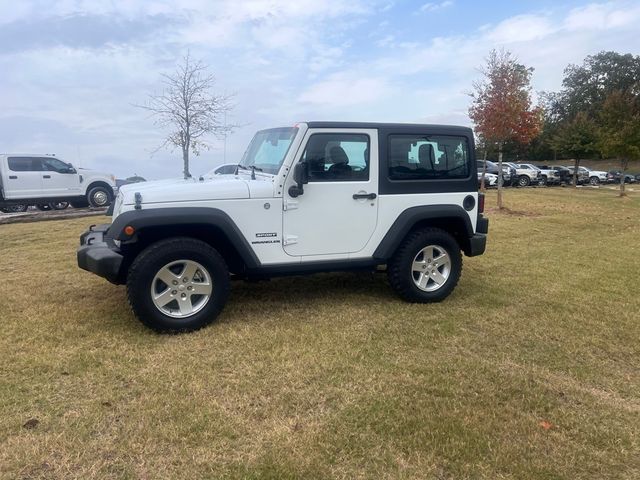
x=501, y=105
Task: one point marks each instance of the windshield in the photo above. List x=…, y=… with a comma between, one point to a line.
x=268, y=148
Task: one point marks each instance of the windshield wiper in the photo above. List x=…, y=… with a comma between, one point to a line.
x=253, y=169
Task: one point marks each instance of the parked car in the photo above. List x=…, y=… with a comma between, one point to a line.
x=596, y=176
x=583, y=174
x=298, y=190
x=613, y=176
x=524, y=176
x=508, y=173
x=225, y=169
x=490, y=180
x=545, y=177
x=563, y=173
x=41, y=180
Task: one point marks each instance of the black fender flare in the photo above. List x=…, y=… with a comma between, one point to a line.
x=412, y=216
x=181, y=216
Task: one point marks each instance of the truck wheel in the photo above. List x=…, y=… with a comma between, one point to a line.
x=594, y=181
x=99, y=197
x=43, y=207
x=17, y=208
x=426, y=267
x=59, y=205
x=524, y=181
x=79, y=204
x=178, y=285
x=543, y=181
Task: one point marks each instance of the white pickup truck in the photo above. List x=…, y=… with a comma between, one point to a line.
x=28, y=179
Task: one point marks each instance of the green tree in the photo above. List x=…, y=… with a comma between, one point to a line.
x=620, y=129
x=585, y=87
x=501, y=105
x=577, y=139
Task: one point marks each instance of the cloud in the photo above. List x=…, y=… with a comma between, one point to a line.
x=79, y=31
x=345, y=90
x=434, y=6
x=521, y=28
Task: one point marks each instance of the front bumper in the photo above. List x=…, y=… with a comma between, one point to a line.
x=98, y=254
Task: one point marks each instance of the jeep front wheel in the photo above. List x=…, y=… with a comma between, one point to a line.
x=426, y=267
x=178, y=285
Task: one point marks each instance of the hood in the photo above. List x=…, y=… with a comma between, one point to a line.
x=223, y=187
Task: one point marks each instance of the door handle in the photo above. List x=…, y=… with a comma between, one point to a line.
x=13, y=177
x=46, y=176
x=368, y=196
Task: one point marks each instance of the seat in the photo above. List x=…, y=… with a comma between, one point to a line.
x=426, y=158
x=340, y=162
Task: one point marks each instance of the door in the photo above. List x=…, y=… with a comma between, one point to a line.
x=59, y=179
x=24, y=178
x=338, y=211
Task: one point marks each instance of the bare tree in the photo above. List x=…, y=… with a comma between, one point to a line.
x=189, y=110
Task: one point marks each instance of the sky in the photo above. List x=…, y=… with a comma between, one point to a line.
x=72, y=71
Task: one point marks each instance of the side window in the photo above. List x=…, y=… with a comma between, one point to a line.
x=54, y=165
x=24, y=164
x=422, y=157
x=336, y=157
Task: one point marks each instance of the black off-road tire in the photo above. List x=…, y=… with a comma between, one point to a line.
x=524, y=181
x=151, y=260
x=96, y=194
x=543, y=181
x=43, y=207
x=595, y=181
x=399, y=268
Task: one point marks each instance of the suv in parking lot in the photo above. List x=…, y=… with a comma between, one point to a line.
x=524, y=176
x=545, y=176
x=320, y=196
x=508, y=173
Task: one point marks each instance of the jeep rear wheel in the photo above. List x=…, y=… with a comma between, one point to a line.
x=524, y=181
x=178, y=285
x=426, y=267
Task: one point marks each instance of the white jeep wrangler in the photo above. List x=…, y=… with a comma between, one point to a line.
x=316, y=197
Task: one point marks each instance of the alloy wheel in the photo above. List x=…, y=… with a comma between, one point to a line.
x=431, y=268
x=181, y=288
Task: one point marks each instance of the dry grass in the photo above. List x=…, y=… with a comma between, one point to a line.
x=530, y=370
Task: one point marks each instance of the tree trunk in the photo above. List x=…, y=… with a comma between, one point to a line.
x=484, y=172
x=185, y=159
x=623, y=164
x=500, y=206
x=576, y=165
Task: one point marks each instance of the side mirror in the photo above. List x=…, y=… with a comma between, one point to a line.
x=70, y=170
x=301, y=177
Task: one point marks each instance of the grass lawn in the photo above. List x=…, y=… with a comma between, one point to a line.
x=531, y=369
